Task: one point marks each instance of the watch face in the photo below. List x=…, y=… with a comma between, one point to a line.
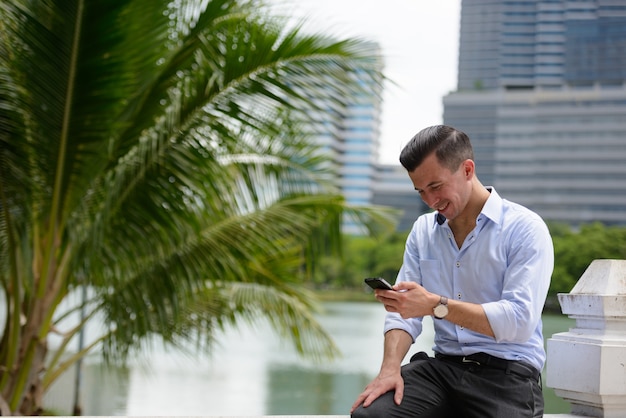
x=440, y=311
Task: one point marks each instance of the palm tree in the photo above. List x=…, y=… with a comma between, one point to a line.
x=154, y=153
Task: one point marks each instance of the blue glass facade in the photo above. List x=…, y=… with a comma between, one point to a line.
x=595, y=51
x=524, y=44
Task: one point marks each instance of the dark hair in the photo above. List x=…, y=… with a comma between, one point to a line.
x=451, y=146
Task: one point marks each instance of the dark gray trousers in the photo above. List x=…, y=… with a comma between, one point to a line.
x=436, y=388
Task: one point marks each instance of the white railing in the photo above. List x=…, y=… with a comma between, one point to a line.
x=587, y=365
x=310, y=416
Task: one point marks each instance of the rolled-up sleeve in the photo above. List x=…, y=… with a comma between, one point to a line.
x=514, y=318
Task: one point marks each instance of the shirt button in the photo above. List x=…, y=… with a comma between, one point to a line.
x=458, y=296
x=458, y=264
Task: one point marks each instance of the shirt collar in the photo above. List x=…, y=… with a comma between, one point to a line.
x=493, y=206
x=491, y=210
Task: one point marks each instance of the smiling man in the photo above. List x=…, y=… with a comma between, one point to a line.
x=481, y=266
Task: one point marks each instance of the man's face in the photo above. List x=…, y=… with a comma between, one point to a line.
x=441, y=189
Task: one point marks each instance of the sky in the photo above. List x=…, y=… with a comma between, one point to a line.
x=419, y=41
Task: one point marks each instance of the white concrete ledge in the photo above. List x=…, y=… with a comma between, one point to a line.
x=313, y=416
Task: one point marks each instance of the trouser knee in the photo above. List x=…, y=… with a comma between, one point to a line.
x=380, y=408
x=361, y=412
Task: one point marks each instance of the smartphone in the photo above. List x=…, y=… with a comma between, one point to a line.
x=378, y=283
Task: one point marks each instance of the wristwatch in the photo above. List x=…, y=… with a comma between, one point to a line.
x=441, y=310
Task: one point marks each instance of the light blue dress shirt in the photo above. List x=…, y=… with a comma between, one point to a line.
x=505, y=264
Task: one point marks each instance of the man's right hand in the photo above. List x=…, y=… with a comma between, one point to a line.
x=383, y=383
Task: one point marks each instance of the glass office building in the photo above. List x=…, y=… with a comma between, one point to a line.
x=348, y=134
x=358, y=146
x=542, y=93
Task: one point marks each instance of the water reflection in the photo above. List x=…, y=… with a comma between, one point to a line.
x=252, y=372
x=298, y=391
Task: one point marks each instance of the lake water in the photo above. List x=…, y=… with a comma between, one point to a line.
x=253, y=372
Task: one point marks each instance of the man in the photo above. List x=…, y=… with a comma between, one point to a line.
x=481, y=266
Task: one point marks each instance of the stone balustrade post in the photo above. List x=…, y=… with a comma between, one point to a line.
x=587, y=365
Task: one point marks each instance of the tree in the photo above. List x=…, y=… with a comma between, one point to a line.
x=575, y=250
x=148, y=156
x=362, y=256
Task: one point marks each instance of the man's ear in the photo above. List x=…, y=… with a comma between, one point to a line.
x=468, y=168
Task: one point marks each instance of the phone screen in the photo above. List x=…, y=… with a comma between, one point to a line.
x=378, y=283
